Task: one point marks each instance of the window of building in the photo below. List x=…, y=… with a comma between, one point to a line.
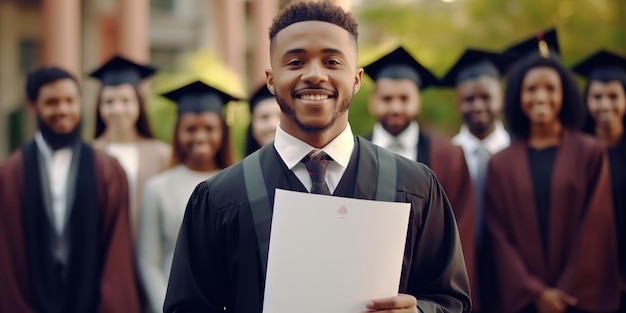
x=165, y=57
x=162, y=5
x=29, y=52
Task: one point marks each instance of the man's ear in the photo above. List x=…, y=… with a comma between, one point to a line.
x=357, y=80
x=30, y=106
x=269, y=80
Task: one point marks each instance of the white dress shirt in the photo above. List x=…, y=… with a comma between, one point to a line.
x=405, y=144
x=493, y=143
x=58, y=168
x=292, y=150
x=127, y=154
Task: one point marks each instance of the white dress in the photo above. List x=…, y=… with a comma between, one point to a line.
x=161, y=213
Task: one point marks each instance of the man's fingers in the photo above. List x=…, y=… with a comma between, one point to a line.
x=571, y=301
x=398, y=302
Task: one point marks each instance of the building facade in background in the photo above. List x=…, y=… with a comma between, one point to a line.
x=79, y=35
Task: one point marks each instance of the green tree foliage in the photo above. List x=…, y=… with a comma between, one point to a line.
x=204, y=66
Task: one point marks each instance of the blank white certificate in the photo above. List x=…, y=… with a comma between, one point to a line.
x=333, y=254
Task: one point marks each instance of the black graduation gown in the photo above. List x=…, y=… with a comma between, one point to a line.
x=216, y=263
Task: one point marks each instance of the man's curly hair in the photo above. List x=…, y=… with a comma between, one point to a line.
x=323, y=11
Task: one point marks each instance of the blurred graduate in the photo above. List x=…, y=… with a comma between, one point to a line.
x=605, y=97
x=64, y=224
x=122, y=127
x=479, y=101
x=548, y=205
x=201, y=148
x=264, y=117
x=395, y=103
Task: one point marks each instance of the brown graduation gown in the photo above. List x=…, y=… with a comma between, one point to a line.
x=117, y=290
x=450, y=167
x=581, y=258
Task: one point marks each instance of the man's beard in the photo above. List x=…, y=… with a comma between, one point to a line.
x=291, y=112
x=56, y=140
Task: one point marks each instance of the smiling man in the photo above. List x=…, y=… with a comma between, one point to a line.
x=221, y=254
x=64, y=228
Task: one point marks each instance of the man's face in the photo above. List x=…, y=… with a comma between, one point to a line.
x=395, y=103
x=314, y=76
x=479, y=101
x=58, y=105
x=606, y=102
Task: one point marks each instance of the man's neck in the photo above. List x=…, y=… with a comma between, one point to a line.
x=610, y=135
x=315, y=139
x=122, y=136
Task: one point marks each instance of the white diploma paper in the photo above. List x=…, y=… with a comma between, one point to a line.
x=333, y=254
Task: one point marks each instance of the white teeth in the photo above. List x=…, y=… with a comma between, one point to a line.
x=314, y=97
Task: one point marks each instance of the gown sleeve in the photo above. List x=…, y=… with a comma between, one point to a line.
x=118, y=287
x=438, y=276
x=592, y=271
x=512, y=271
x=197, y=281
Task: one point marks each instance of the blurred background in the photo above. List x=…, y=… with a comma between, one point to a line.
x=224, y=43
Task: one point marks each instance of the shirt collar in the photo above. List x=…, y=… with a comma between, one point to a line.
x=497, y=140
x=292, y=150
x=408, y=137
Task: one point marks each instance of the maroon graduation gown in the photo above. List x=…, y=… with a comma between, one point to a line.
x=448, y=163
x=113, y=287
x=581, y=258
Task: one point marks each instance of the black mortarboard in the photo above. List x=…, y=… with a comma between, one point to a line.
x=198, y=97
x=399, y=64
x=545, y=43
x=603, y=66
x=474, y=63
x=259, y=95
x=119, y=70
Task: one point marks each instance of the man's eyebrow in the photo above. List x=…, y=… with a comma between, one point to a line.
x=300, y=51
x=294, y=51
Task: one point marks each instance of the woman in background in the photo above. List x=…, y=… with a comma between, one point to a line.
x=548, y=205
x=122, y=127
x=264, y=117
x=605, y=95
x=201, y=148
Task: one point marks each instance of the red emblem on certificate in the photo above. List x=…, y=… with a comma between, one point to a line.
x=342, y=212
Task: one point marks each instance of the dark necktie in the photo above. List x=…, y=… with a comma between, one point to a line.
x=482, y=157
x=316, y=163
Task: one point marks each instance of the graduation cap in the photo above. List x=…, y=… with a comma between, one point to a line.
x=545, y=43
x=119, y=70
x=399, y=64
x=198, y=97
x=603, y=66
x=259, y=95
x=474, y=63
